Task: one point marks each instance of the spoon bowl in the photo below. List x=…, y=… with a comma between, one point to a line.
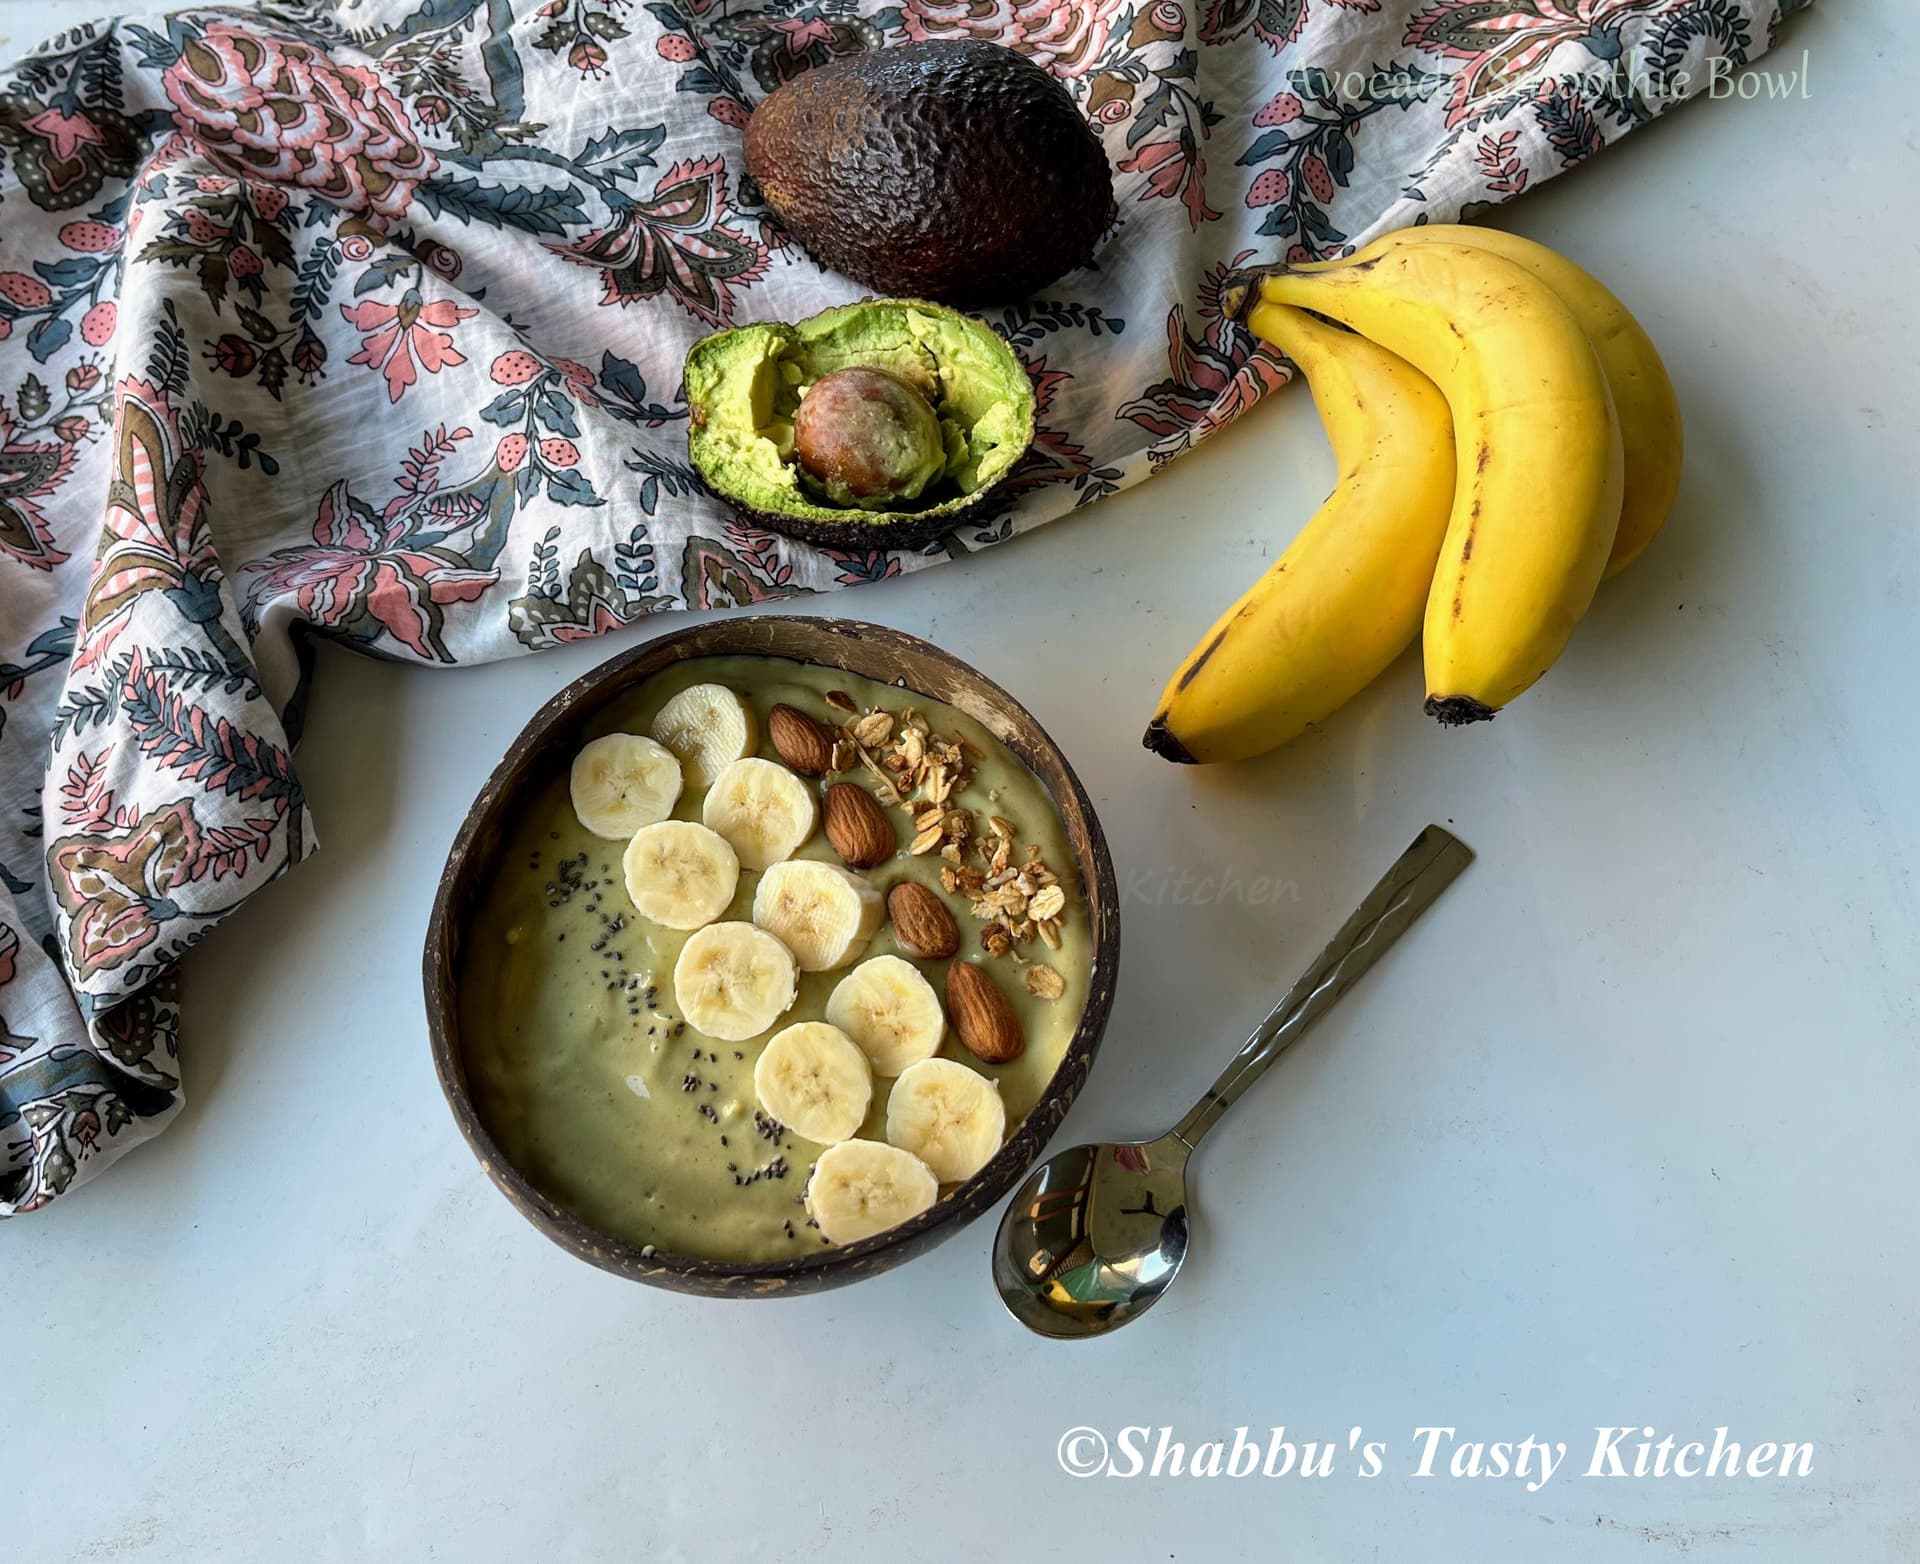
x=1102, y=1230
x=1097, y=1233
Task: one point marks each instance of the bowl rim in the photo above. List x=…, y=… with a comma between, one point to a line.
x=574, y=704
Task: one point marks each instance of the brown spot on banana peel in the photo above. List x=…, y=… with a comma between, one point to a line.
x=1466, y=547
x=1159, y=738
x=1466, y=550
x=1194, y=667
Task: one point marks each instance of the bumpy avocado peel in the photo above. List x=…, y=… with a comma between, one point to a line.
x=955, y=170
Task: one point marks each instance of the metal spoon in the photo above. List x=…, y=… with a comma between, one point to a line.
x=1096, y=1234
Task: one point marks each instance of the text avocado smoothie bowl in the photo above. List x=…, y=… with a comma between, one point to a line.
x=776, y=961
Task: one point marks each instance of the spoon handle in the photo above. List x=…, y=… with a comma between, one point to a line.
x=1411, y=886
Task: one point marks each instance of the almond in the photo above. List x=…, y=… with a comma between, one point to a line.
x=858, y=827
x=805, y=745
x=922, y=926
x=983, y=1015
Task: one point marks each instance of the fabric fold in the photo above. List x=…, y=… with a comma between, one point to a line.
x=367, y=321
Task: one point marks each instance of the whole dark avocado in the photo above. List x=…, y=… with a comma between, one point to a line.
x=954, y=171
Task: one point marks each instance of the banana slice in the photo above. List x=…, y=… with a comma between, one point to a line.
x=948, y=1116
x=861, y=1187
x=822, y=913
x=733, y=981
x=708, y=728
x=680, y=874
x=762, y=809
x=622, y=781
x=890, y=1011
x=813, y=1079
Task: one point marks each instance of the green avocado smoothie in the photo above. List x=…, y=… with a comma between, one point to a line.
x=608, y=1100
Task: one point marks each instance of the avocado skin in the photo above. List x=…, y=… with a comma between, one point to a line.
x=859, y=536
x=957, y=171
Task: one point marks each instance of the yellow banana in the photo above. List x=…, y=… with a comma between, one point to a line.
x=1538, y=459
x=1346, y=597
x=1650, y=430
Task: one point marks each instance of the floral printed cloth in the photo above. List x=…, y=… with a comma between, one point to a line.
x=368, y=317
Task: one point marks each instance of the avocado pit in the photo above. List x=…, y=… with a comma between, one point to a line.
x=866, y=436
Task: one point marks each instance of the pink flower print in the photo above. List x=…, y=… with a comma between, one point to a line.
x=114, y=887
x=65, y=133
x=30, y=470
x=1062, y=36
x=1501, y=45
x=677, y=243
x=364, y=578
x=1212, y=377
x=396, y=335
x=1175, y=169
x=62, y=153
x=154, y=530
x=287, y=113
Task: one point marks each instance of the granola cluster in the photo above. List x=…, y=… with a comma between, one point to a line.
x=1009, y=888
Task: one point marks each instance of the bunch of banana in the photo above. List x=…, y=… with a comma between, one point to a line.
x=1505, y=435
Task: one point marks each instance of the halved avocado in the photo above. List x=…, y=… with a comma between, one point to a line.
x=744, y=387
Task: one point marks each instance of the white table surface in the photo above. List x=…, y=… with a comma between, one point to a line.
x=1623, y=1133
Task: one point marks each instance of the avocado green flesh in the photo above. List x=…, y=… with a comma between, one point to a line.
x=744, y=386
